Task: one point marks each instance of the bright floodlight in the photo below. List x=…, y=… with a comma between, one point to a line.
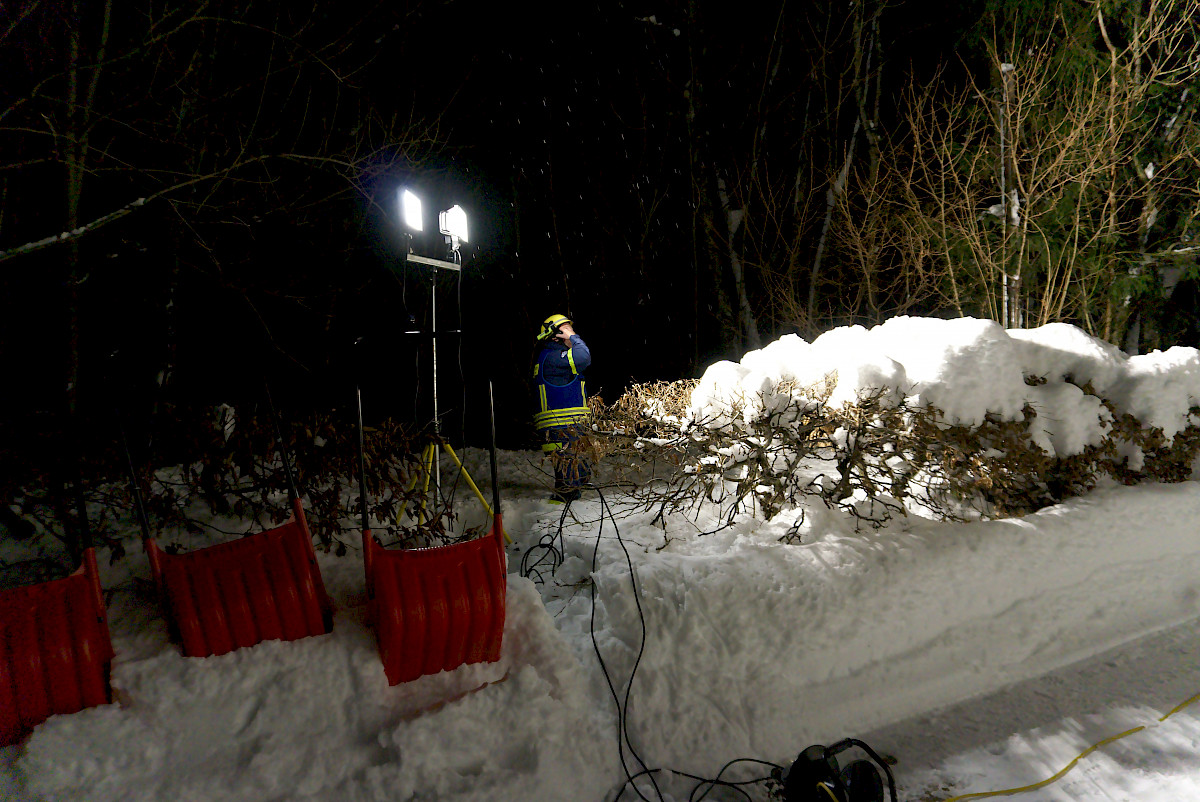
x=410, y=206
x=453, y=223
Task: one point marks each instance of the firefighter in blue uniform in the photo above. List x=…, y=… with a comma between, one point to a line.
x=562, y=403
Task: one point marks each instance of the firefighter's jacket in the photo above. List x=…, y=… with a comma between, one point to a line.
x=558, y=372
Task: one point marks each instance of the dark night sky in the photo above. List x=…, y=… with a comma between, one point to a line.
x=580, y=120
x=564, y=131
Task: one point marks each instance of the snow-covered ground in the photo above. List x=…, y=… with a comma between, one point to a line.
x=983, y=655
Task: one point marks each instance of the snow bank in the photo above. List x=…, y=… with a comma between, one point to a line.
x=967, y=368
x=752, y=648
x=757, y=648
x=315, y=719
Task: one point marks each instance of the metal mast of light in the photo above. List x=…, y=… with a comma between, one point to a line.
x=452, y=223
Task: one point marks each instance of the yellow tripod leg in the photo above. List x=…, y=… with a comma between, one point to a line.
x=421, y=478
x=478, y=495
x=422, y=473
x=427, y=460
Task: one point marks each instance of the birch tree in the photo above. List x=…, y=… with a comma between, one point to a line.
x=1037, y=191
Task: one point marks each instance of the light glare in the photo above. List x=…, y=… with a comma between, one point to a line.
x=453, y=222
x=410, y=205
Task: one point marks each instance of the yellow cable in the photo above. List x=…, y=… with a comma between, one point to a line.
x=1055, y=778
x=825, y=788
x=1180, y=707
x=1071, y=765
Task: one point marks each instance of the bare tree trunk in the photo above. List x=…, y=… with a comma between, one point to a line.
x=81, y=93
x=1010, y=316
x=704, y=225
x=714, y=257
x=733, y=221
x=832, y=193
x=865, y=46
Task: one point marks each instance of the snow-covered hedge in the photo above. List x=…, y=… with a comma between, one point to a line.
x=949, y=415
x=968, y=369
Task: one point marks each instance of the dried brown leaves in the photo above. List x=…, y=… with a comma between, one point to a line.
x=870, y=459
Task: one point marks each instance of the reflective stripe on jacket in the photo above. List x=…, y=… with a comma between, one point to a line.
x=562, y=393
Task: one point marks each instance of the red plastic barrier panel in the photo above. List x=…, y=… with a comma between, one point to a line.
x=55, y=650
x=436, y=609
x=266, y=586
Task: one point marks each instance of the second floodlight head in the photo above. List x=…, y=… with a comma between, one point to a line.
x=453, y=223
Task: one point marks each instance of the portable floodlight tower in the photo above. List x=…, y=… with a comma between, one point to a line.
x=452, y=223
x=434, y=608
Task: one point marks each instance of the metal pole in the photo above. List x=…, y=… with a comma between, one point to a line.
x=437, y=425
x=495, y=482
x=436, y=264
x=362, y=463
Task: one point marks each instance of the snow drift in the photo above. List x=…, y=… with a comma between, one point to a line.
x=966, y=368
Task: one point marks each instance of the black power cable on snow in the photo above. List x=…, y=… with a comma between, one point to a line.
x=547, y=552
x=717, y=782
x=708, y=784
x=622, y=705
x=623, y=739
x=815, y=774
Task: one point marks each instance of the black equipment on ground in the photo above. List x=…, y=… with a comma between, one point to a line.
x=816, y=777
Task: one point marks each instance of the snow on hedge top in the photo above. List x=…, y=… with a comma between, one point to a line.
x=1060, y=351
x=966, y=368
x=1158, y=388
x=1161, y=386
